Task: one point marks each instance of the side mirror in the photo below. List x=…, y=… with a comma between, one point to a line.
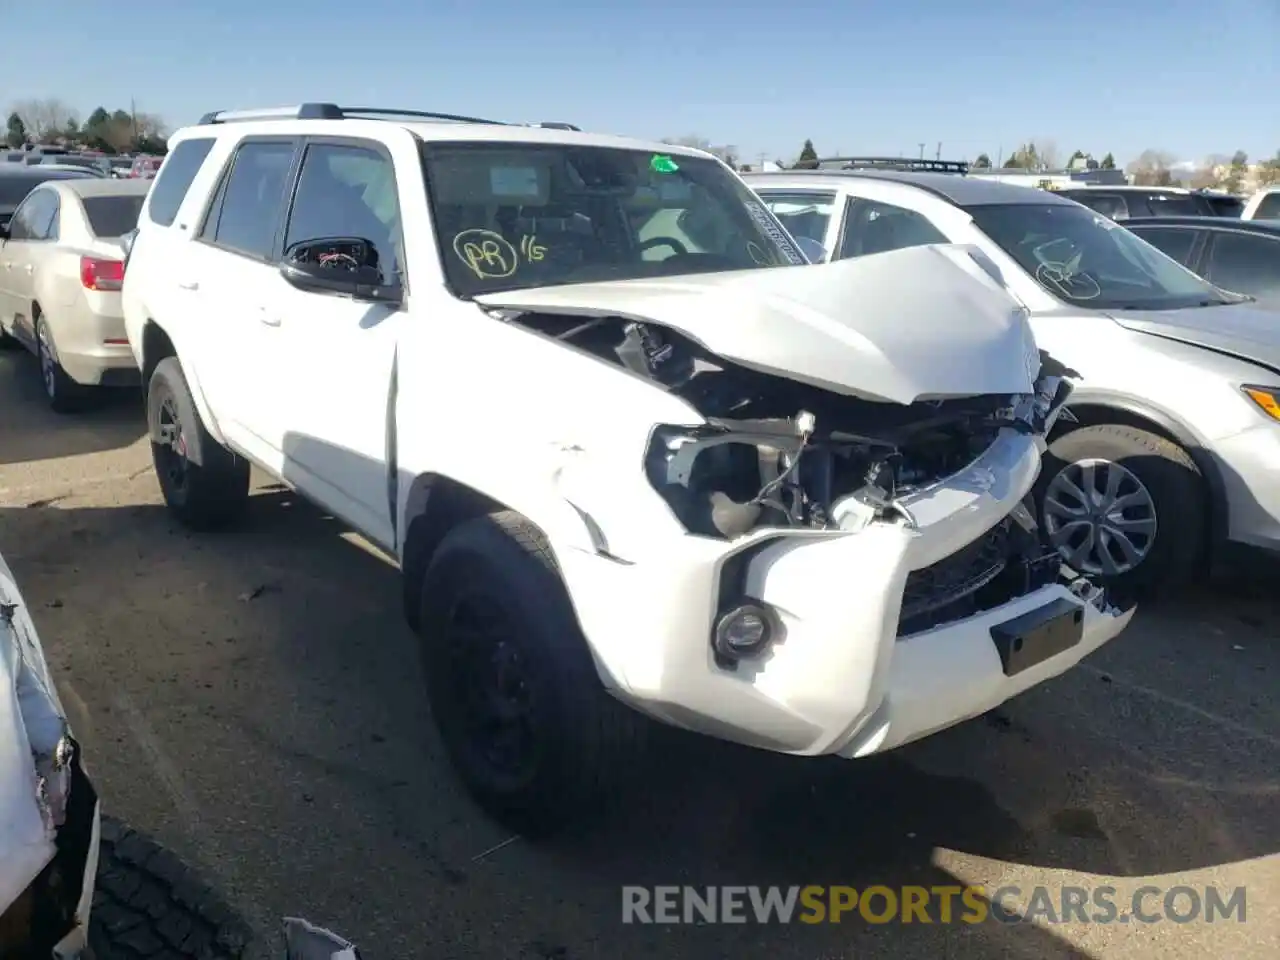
x=339, y=266
x=812, y=249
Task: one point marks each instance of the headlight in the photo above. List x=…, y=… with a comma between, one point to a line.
x=1266, y=398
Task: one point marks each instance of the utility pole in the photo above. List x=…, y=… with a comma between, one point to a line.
x=762, y=158
x=922, y=151
x=133, y=117
x=938, y=155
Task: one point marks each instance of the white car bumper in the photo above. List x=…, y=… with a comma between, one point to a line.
x=841, y=679
x=48, y=807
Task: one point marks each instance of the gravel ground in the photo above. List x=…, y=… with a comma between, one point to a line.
x=253, y=701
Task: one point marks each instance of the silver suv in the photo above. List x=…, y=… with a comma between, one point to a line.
x=1176, y=432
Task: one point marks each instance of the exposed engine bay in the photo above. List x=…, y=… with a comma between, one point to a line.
x=777, y=452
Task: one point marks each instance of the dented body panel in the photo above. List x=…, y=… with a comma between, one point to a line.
x=43, y=791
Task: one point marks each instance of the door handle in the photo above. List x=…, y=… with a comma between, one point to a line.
x=188, y=285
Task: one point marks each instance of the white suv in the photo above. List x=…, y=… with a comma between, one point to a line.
x=622, y=453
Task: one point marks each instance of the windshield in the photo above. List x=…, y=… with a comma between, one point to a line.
x=14, y=187
x=1090, y=261
x=519, y=215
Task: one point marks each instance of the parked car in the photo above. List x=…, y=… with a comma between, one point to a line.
x=48, y=806
x=1238, y=255
x=1263, y=205
x=61, y=267
x=624, y=456
x=145, y=167
x=1171, y=450
x=17, y=182
x=1135, y=202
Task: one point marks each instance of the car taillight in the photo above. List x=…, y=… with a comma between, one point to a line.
x=98, y=274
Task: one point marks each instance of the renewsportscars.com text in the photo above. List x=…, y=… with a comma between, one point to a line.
x=939, y=904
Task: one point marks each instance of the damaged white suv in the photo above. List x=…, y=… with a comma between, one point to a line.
x=627, y=450
x=49, y=826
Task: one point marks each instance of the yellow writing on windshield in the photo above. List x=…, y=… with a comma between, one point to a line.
x=487, y=254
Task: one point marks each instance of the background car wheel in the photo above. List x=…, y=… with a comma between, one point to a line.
x=147, y=903
x=1125, y=507
x=204, y=484
x=520, y=708
x=7, y=341
x=63, y=394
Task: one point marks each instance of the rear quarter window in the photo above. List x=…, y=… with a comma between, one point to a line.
x=174, y=180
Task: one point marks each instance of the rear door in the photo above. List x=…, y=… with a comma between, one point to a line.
x=233, y=281
x=33, y=228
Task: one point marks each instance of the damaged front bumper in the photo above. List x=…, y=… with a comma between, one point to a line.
x=49, y=826
x=845, y=669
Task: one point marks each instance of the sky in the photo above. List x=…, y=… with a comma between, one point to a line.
x=855, y=76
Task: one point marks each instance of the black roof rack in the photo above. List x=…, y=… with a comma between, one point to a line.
x=330, y=111
x=893, y=163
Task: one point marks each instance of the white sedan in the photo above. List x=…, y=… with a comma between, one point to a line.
x=61, y=268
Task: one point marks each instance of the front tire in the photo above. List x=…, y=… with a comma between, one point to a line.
x=521, y=711
x=1125, y=507
x=204, y=484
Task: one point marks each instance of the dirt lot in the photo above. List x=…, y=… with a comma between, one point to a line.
x=253, y=700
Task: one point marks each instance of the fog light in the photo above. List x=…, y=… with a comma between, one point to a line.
x=744, y=631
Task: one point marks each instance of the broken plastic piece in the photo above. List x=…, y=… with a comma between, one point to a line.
x=305, y=941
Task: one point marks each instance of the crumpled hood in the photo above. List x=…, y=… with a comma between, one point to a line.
x=913, y=324
x=32, y=723
x=1242, y=330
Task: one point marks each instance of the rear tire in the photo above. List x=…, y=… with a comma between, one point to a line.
x=205, y=485
x=521, y=711
x=1156, y=480
x=62, y=393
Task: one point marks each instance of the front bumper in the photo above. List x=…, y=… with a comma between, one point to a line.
x=1249, y=463
x=841, y=679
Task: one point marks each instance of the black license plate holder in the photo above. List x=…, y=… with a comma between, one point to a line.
x=1038, y=634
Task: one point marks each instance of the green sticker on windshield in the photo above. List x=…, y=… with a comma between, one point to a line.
x=663, y=164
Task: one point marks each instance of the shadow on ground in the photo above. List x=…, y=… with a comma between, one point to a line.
x=30, y=431
x=276, y=694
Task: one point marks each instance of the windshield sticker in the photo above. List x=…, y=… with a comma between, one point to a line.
x=521, y=182
x=660, y=163
x=771, y=229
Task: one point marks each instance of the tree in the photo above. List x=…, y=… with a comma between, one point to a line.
x=808, y=157
x=17, y=132
x=1269, y=171
x=1233, y=179
x=1108, y=162
x=1047, y=155
x=44, y=118
x=1012, y=162
x=1153, y=168
x=1026, y=157
x=1078, y=155
x=982, y=163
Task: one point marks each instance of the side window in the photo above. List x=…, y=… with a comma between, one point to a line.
x=348, y=191
x=1268, y=208
x=35, y=219
x=246, y=212
x=176, y=174
x=804, y=214
x=1110, y=205
x=1175, y=242
x=1245, y=264
x=874, y=227
x=1174, y=205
